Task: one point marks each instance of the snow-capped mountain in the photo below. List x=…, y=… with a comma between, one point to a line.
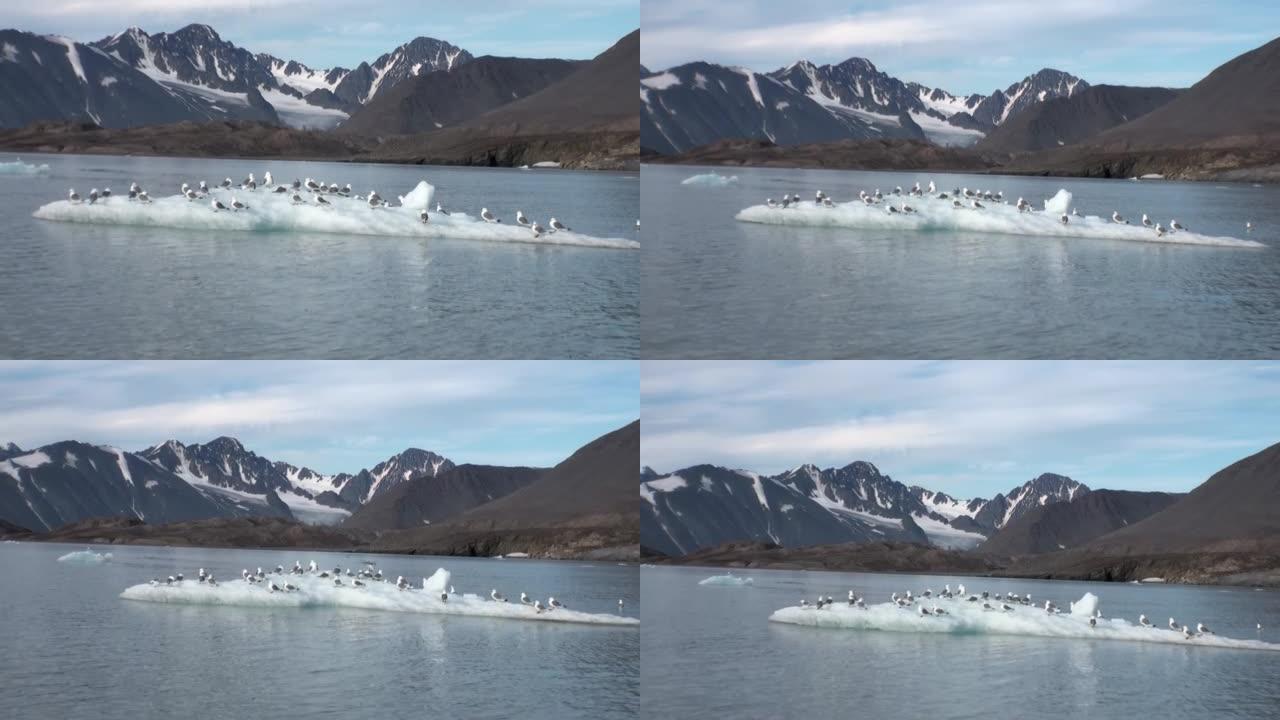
x=802, y=99
x=705, y=505
x=71, y=481
x=313, y=497
x=135, y=78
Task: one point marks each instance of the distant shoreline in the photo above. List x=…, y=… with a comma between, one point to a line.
x=1200, y=164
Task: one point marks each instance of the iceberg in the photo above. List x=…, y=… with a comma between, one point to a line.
x=969, y=618
x=710, y=180
x=315, y=591
x=276, y=212
x=935, y=215
x=85, y=557
x=18, y=167
x=727, y=580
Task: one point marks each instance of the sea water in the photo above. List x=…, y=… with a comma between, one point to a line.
x=175, y=279
x=723, y=276
x=75, y=648
x=758, y=654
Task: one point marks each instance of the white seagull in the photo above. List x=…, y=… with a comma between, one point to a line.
x=521, y=219
x=487, y=216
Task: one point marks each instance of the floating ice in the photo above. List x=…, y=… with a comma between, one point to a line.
x=710, y=180
x=276, y=212
x=934, y=215
x=21, y=168
x=85, y=557
x=420, y=197
x=315, y=591
x=1059, y=204
x=969, y=618
x=727, y=580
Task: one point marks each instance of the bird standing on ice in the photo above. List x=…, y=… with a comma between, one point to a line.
x=1248, y=227
x=524, y=599
x=537, y=230
x=237, y=205
x=1172, y=625
x=496, y=596
x=1115, y=218
x=556, y=226
x=422, y=215
x=1146, y=221
x=439, y=208
x=521, y=220
x=487, y=216
x=1143, y=621
x=1176, y=225
x=216, y=205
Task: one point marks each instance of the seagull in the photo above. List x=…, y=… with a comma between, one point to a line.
x=1064, y=219
x=266, y=178
x=357, y=583
x=826, y=202
x=620, y=603
x=1115, y=218
x=767, y=201
x=422, y=215
x=891, y=209
x=537, y=230
x=524, y=599
x=804, y=603
x=249, y=183
x=977, y=205
x=281, y=189
x=1248, y=226
x=297, y=199
x=337, y=581
x=554, y=603
x=1143, y=621
x=537, y=605
x=188, y=192
x=932, y=188
x=1186, y=632
x=440, y=209
x=237, y=205
x=955, y=204
x=216, y=205
x=1093, y=622
x=444, y=597
x=274, y=587
x=72, y=196
x=924, y=611
x=93, y=196
x=321, y=201
x=1172, y=625
x=1160, y=230
x=226, y=183
x=1005, y=607
x=497, y=596
x=488, y=216
x=1146, y=221
x=556, y=225
x=524, y=221
x=1201, y=629
x=907, y=208
x=1176, y=225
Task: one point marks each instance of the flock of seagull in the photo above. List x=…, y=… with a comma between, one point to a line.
x=926, y=606
x=275, y=582
x=316, y=190
x=961, y=198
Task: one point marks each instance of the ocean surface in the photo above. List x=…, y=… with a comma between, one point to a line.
x=73, y=648
x=711, y=651
x=110, y=291
x=715, y=287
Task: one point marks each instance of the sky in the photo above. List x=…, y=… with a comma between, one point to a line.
x=974, y=46
x=970, y=429
x=329, y=416
x=327, y=33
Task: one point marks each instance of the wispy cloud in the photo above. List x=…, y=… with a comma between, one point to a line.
x=332, y=416
x=937, y=41
x=965, y=427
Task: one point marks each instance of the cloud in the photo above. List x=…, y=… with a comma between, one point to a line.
x=971, y=46
x=347, y=413
x=984, y=425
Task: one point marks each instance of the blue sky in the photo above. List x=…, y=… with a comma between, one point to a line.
x=325, y=33
x=966, y=428
x=968, y=46
x=329, y=416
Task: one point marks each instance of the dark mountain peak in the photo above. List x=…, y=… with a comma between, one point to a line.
x=862, y=468
x=198, y=31
x=647, y=473
x=225, y=444
x=858, y=65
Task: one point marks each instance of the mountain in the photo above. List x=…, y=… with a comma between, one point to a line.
x=706, y=506
x=591, y=98
x=55, y=78
x=428, y=499
x=700, y=103
x=1064, y=525
x=135, y=78
x=647, y=473
x=435, y=100
x=585, y=506
x=1239, y=102
x=71, y=481
x=1237, y=508
x=8, y=450
x=1069, y=120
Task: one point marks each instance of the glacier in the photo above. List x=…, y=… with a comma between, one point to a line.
x=727, y=581
x=710, y=180
x=315, y=591
x=969, y=618
x=935, y=215
x=17, y=167
x=85, y=557
x=276, y=212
